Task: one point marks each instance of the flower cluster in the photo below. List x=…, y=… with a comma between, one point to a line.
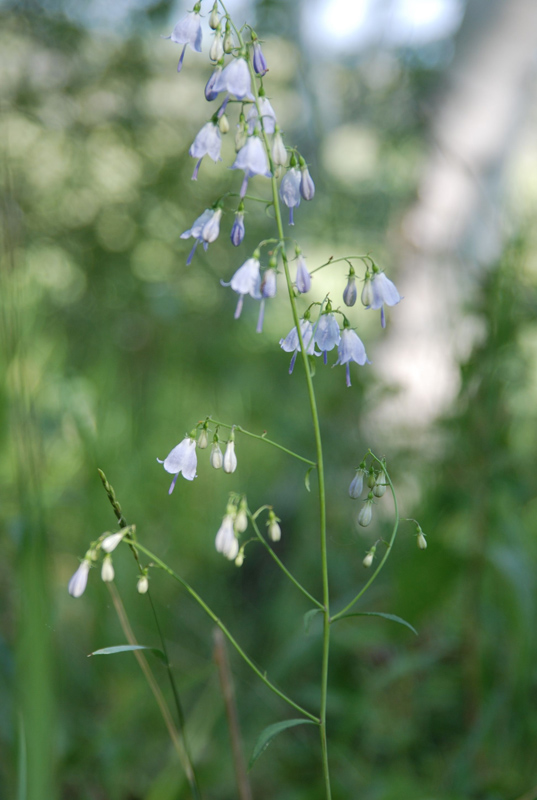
x=104, y=545
x=183, y=459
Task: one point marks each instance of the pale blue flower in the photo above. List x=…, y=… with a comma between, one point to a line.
x=79, y=580
x=252, y=158
x=208, y=142
x=351, y=348
x=290, y=191
x=235, y=79
x=237, y=231
x=260, y=64
x=205, y=230
x=303, y=278
x=383, y=291
x=268, y=289
x=181, y=460
x=210, y=93
x=307, y=187
x=267, y=116
x=187, y=32
x=327, y=334
x=291, y=343
x=245, y=281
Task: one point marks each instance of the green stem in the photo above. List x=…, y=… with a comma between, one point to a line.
x=343, y=258
x=388, y=549
x=262, y=438
x=192, y=592
x=282, y=565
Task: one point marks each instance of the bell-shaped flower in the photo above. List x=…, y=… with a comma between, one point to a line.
x=210, y=93
x=267, y=289
x=237, y=230
x=260, y=65
x=307, y=187
x=291, y=343
x=246, y=281
x=226, y=542
x=235, y=79
x=205, y=230
x=230, y=459
x=357, y=484
x=327, y=334
x=79, y=580
x=351, y=348
x=267, y=115
x=290, y=191
x=187, y=32
x=303, y=278
x=181, y=460
x=379, y=291
x=207, y=143
x=252, y=158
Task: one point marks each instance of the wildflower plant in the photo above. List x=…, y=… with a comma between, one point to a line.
x=276, y=271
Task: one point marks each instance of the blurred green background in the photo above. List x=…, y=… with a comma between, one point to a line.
x=418, y=121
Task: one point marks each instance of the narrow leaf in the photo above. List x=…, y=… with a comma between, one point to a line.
x=393, y=617
x=125, y=648
x=308, y=618
x=307, y=478
x=269, y=733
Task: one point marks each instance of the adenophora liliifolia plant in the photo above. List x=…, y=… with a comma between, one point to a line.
x=319, y=327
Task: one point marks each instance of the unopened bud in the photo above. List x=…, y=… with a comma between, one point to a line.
x=143, y=584
x=350, y=292
x=421, y=541
x=371, y=478
x=379, y=489
x=203, y=439
x=230, y=459
x=368, y=560
x=273, y=529
x=367, y=291
x=357, y=484
x=366, y=514
x=239, y=561
x=214, y=18
x=217, y=49
x=216, y=458
x=241, y=520
x=107, y=569
x=223, y=124
x=241, y=135
x=228, y=39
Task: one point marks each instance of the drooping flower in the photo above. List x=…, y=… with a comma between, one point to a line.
x=260, y=64
x=235, y=79
x=237, y=230
x=290, y=191
x=350, y=292
x=303, y=278
x=351, y=348
x=210, y=93
x=379, y=291
x=291, y=343
x=357, y=484
x=230, y=459
x=366, y=512
x=267, y=115
x=79, y=580
x=181, y=460
x=207, y=143
x=187, y=32
x=205, y=230
x=253, y=160
x=226, y=542
x=267, y=289
x=110, y=542
x=327, y=334
x=246, y=280
x=307, y=187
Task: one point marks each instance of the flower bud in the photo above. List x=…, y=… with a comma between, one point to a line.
x=203, y=439
x=228, y=39
x=367, y=291
x=421, y=541
x=217, y=49
x=371, y=478
x=107, y=569
x=350, y=292
x=241, y=136
x=239, y=561
x=78, y=582
x=366, y=514
x=273, y=529
x=241, y=520
x=368, y=560
x=307, y=187
x=357, y=484
x=230, y=459
x=223, y=124
x=143, y=584
x=111, y=542
x=214, y=18
x=379, y=488
x=279, y=153
x=216, y=458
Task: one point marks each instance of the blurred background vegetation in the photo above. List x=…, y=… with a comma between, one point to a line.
x=418, y=120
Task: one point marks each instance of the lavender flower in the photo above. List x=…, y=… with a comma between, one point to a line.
x=307, y=187
x=382, y=291
x=351, y=348
x=268, y=117
x=226, y=542
x=79, y=580
x=237, y=231
x=210, y=93
x=253, y=160
x=268, y=289
x=182, y=459
x=260, y=65
x=291, y=343
x=205, y=230
x=235, y=79
x=207, y=143
x=327, y=334
x=357, y=484
x=350, y=292
x=303, y=278
x=187, y=32
x=290, y=191
x=246, y=280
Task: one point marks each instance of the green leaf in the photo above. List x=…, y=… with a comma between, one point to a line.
x=125, y=648
x=307, y=478
x=393, y=617
x=308, y=618
x=269, y=733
